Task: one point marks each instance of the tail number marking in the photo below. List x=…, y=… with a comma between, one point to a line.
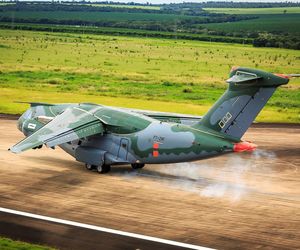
x=225, y=120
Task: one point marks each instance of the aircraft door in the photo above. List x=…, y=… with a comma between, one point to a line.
x=123, y=149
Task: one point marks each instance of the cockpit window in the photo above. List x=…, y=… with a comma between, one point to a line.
x=27, y=114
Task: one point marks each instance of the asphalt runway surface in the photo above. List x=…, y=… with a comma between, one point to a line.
x=73, y=235
x=239, y=200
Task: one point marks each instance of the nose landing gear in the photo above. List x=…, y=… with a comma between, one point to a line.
x=101, y=169
x=89, y=166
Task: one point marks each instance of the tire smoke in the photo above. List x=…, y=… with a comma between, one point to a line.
x=217, y=179
x=227, y=177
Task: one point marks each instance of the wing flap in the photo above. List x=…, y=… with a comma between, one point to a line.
x=72, y=124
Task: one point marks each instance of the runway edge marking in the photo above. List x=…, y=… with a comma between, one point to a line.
x=102, y=229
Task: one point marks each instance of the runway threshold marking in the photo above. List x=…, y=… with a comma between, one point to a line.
x=102, y=229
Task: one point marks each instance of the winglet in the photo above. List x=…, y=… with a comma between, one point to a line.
x=15, y=149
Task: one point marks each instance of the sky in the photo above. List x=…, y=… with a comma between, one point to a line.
x=180, y=1
x=195, y=1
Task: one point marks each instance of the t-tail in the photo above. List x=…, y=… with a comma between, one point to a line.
x=247, y=93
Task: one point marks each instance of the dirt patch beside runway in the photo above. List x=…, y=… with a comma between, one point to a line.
x=233, y=201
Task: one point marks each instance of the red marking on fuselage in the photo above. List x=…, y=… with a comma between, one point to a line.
x=155, y=153
x=155, y=145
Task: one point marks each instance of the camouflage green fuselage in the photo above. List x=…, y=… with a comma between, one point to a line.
x=128, y=137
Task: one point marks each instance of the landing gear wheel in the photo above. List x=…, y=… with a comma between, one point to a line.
x=103, y=169
x=137, y=165
x=89, y=166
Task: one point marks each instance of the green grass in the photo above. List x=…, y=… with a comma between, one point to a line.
x=124, y=32
x=92, y=16
x=10, y=96
x=157, y=74
x=270, y=23
x=149, y=7
x=8, y=244
x=243, y=11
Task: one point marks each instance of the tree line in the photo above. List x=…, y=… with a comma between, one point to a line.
x=185, y=27
x=132, y=32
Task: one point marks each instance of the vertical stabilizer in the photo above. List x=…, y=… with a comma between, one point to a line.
x=247, y=93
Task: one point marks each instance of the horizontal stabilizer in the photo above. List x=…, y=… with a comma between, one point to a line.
x=242, y=77
x=34, y=104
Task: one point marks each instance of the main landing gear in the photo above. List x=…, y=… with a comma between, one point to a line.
x=101, y=169
x=137, y=165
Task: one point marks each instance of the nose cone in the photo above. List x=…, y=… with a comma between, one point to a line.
x=20, y=123
x=26, y=116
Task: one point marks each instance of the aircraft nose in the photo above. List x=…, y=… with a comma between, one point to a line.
x=26, y=116
x=20, y=123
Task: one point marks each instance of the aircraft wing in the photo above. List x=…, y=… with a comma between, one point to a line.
x=167, y=116
x=74, y=123
x=163, y=115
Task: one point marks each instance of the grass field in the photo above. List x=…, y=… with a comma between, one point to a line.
x=9, y=96
x=157, y=74
x=267, y=22
x=92, y=16
x=255, y=11
x=7, y=244
x=124, y=32
x=268, y=27
x=149, y=7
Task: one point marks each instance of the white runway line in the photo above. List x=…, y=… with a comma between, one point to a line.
x=102, y=229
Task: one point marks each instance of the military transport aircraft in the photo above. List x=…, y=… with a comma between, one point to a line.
x=101, y=136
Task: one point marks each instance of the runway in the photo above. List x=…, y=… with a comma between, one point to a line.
x=242, y=200
x=63, y=234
